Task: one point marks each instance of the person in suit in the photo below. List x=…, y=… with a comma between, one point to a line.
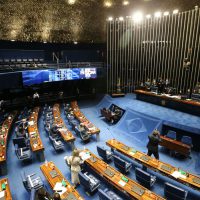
x=56, y=196
x=42, y=194
x=153, y=143
x=74, y=162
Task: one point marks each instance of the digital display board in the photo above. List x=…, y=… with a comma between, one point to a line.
x=32, y=77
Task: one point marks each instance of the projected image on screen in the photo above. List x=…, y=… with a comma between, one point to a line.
x=35, y=77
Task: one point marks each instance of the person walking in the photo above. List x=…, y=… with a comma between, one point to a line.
x=153, y=143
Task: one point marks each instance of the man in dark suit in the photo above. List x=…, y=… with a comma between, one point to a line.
x=153, y=143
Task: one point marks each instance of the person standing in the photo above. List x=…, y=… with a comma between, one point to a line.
x=153, y=143
x=74, y=162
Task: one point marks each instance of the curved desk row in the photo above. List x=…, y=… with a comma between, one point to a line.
x=156, y=165
x=118, y=180
x=91, y=128
x=64, y=132
x=58, y=181
x=35, y=140
x=5, y=189
x=4, y=133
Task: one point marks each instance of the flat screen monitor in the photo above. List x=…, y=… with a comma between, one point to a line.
x=33, y=77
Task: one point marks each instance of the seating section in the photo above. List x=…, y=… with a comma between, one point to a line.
x=174, y=192
x=121, y=164
x=107, y=194
x=22, y=149
x=171, y=135
x=143, y=177
x=89, y=182
x=187, y=140
x=104, y=153
x=17, y=59
x=31, y=181
x=51, y=129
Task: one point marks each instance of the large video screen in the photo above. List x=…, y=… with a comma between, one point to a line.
x=33, y=77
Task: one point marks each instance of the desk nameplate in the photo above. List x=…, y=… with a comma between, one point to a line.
x=145, y=158
x=166, y=168
x=137, y=190
x=109, y=172
x=196, y=180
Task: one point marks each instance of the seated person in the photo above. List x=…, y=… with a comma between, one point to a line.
x=56, y=196
x=54, y=128
x=42, y=194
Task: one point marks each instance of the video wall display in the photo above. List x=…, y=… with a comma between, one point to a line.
x=33, y=77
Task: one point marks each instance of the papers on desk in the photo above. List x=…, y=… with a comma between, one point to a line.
x=177, y=174
x=31, y=123
x=2, y=195
x=122, y=183
x=84, y=155
x=59, y=188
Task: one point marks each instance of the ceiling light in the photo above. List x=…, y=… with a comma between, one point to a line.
x=175, y=11
x=71, y=2
x=75, y=42
x=148, y=16
x=166, y=13
x=110, y=18
x=12, y=40
x=125, y=3
x=138, y=16
x=121, y=18
x=107, y=4
x=157, y=14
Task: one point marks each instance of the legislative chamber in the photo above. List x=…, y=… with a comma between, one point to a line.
x=99, y=100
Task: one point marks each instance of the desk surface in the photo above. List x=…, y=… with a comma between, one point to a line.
x=164, y=96
x=53, y=176
x=7, y=190
x=91, y=128
x=64, y=132
x=4, y=131
x=156, y=165
x=175, y=145
x=118, y=180
x=34, y=135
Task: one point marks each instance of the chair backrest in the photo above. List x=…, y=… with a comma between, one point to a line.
x=171, y=134
x=101, y=151
x=119, y=161
x=142, y=176
x=174, y=192
x=186, y=140
x=20, y=141
x=85, y=181
x=103, y=195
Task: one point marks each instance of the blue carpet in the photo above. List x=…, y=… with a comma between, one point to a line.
x=107, y=132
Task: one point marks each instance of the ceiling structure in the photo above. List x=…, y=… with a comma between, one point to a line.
x=72, y=20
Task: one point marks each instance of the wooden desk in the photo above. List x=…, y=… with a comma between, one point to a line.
x=156, y=165
x=175, y=146
x=34, y=135
x=64, y=132
x=7, y=190
x=115, y=95
x=4, y=134
x=188, y=106
x=91, y=128
x=114, y=177
x=53, y=176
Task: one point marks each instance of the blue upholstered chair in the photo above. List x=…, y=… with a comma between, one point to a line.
x=33, y=194
x=83, y=134
x=31, y=181
x=187, y=140
x=22, y=149
x=56, y=141
x=88, y=181
x=107, y=194
x=104, y=153
x=144, y=178
x=121, y=164
x=74, y=123
x=171, y=135
x=174, y=192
